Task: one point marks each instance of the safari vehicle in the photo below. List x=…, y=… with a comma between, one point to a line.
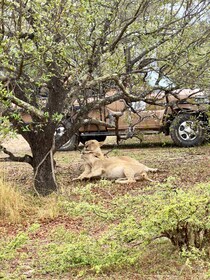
x=182, y=114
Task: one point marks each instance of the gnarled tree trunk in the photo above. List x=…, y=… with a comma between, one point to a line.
x=44, y=177
x=42, y=145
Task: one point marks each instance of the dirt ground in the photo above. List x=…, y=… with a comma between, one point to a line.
x=187, y=166
x=16, y=145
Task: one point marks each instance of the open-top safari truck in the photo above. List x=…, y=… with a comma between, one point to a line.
x=182, y=114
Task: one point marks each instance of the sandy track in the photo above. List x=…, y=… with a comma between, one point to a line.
x=16, y=145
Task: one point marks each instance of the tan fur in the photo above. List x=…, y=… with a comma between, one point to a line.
x=121, y=170
x=91, y=146
x=95, y=146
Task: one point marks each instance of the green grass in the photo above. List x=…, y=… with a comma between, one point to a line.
x=99, y=230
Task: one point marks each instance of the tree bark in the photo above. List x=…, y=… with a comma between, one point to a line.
x=42, y=146
x=44, y=177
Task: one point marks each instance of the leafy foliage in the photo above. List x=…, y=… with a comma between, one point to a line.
x=137, y=221
x=181, y=216
x=9, y=248
x=11, y=245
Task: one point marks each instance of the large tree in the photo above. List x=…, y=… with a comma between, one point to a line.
x=62, y=49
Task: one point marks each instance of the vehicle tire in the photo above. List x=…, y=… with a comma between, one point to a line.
x=187, y=131
x=71, y=144
x=99, y=138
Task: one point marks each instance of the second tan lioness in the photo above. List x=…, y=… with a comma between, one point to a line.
x=120, y=170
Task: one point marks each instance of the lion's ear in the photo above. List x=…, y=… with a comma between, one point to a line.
x=101, y=143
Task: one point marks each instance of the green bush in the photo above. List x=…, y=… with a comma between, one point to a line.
x=181, y=216
x=84, y=251
x=8, y=249
x=165, y=212
x=10, y=245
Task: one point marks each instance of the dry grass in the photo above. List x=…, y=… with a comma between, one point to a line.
x=12, y=203
x=49, y=208
x=16, y=207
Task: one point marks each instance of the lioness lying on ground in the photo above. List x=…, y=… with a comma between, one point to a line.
x=121, y=170
x=95, y=147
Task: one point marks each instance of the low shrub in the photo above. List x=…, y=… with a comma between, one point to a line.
x=181, y=216
x=136, y=221
x=9, y=248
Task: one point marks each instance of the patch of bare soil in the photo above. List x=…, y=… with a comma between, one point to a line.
x=46, y=226
x=16, y=145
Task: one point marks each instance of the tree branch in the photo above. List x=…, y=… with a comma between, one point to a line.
x=96, y=122
x=123, y=30
x=12, y=157
x=20, y=103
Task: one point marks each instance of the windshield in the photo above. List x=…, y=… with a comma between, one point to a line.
x=153, y=79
